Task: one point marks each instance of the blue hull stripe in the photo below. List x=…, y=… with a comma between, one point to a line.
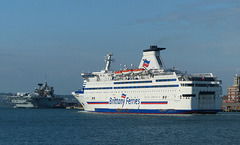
x=154, y=111
x=154, y=102
x=79, y=92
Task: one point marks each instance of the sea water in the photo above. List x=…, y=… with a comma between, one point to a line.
x=62, y=126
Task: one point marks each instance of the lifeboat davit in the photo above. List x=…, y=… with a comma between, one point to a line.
x=138, y=71
x=127, y=72
x=118, y=73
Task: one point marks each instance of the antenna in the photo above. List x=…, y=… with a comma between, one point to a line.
x=125, y=67
x=45, y=79
x=132, y=66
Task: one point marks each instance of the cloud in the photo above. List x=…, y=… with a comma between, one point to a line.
x=3, y=54
x=208, y=13
x=168, y=39
x=150, y=20
x=206, y=25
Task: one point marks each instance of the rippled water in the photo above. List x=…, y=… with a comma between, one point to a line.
x=61, y=126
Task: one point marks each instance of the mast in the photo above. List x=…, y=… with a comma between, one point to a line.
x=108, y=60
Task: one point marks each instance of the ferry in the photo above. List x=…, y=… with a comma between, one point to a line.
x=149, y=89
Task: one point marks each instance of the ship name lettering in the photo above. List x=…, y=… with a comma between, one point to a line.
x=132, y=101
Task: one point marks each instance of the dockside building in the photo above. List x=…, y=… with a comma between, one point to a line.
x=233, y=91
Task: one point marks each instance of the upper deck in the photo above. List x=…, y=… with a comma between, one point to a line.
x=151, y=67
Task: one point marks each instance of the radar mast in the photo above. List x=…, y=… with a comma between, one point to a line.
x=108, y=60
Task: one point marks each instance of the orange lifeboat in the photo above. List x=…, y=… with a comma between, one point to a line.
x=127, y=72
x=117, y=73
x=138, y=71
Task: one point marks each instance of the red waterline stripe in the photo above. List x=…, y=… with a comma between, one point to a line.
x=154, y=102
x=97, y=102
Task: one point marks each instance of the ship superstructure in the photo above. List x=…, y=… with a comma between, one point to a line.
x=150, y=88
x=43, y=97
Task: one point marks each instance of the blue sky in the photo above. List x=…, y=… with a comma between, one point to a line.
x=62, y=39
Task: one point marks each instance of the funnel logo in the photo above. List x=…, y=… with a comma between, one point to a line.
x=145, y=63
x=124, y=96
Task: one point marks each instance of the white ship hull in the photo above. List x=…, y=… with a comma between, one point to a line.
x=153, y=92
x=24, y=105
x=155, y=97
x=36, y=103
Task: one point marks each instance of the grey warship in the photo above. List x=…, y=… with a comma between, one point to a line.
x=43, y=97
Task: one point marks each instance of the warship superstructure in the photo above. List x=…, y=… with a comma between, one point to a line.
x=43, y=97
x=149, y=89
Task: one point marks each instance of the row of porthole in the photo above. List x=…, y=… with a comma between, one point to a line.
x=133, y=91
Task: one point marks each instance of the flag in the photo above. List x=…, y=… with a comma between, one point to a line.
x=123, y=95
x=146, y=63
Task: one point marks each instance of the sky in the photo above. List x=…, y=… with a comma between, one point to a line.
x=63, y=38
